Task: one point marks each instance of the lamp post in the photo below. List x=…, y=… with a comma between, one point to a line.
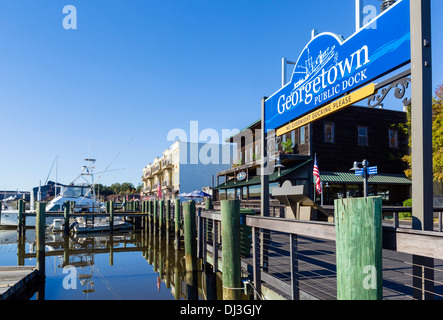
x=365, y=164
x=279, y=166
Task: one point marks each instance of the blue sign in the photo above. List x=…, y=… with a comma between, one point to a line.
x=359, y=172
x=372, y=171
x=329, y=67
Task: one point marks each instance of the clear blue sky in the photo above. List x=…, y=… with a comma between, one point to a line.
x=133, y=70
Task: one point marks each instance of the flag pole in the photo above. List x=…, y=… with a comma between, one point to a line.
x=321, y=195
x=314, y=182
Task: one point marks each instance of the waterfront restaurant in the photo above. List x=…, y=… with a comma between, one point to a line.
x=354, y=134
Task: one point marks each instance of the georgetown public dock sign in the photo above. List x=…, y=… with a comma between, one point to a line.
x=329, y=68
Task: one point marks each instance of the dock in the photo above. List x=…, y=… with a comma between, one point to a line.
x=15, y=282
x=271, y=257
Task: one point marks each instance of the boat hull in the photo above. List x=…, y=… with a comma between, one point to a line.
x=120, y=225
x=10, y=219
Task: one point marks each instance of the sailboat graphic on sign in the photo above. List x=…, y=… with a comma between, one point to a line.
x=312, y=67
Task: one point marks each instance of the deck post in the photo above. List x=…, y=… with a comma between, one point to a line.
x=40, y=231
x=359, y=237
x=190, y=235
x=256, y=274
x=208, y=203
x=421, y=141
x=231, y=259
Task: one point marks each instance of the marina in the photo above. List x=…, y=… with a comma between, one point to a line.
x=332, y=191
x=180, y=248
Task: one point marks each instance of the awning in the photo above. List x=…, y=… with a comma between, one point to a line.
x=255, y=180
x=351, y=178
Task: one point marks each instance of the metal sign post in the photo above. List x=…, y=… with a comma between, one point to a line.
x=421, y=134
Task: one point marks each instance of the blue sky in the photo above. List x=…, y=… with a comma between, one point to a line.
x=134, y=70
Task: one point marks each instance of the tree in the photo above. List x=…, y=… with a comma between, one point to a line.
x=437, y=136
x=437, y=133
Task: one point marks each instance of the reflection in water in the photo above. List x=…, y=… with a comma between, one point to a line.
x=133, y=265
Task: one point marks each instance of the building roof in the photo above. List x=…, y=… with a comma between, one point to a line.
x=351, y=178
x=233, y=183
x=255, y=123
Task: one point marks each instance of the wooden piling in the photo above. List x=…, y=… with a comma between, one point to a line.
x=230, y=220
x=208, y=203
x=168, y=213
x=177, y=223
x=154, y=216
x=190, y=235
x=161, y=214
x=66, y=212
x=359, y=234
x=40, y=231
x=111, y=216
x=150, y=219
x=21, y=216
x=168, y=219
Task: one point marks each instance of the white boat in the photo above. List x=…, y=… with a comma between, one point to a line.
x=100, y=224
x=83, y=196
x=9, y=217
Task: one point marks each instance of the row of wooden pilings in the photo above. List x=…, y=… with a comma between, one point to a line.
x=178, y=221
x=184, y=225
x=358, y=228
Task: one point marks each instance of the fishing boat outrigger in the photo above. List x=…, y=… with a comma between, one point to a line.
x=83, y=195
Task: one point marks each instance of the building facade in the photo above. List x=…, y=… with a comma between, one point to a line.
x=354, y=134
x=185, y=167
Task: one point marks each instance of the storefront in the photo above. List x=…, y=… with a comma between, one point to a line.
x=392, y=188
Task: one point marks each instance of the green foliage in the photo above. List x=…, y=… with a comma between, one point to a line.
x=406, y=215
x=437, y=136
x=287, y=146
x=115, y=188
x=437, y=133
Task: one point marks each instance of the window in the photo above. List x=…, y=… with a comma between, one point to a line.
x=362, y=136
x=293, y=138
x=254, y=192
x=302, y=135
x=230, y=194
x=329, y=132
x=393, y=138
x=222, y=195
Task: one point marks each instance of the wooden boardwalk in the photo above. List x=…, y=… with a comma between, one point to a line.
x=14, y=281
x=317, y=273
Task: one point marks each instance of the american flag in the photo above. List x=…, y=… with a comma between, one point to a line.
x=317, y=177
x=159, y=191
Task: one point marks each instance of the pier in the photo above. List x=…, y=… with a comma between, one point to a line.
x=273, y=257
x=16, y=281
